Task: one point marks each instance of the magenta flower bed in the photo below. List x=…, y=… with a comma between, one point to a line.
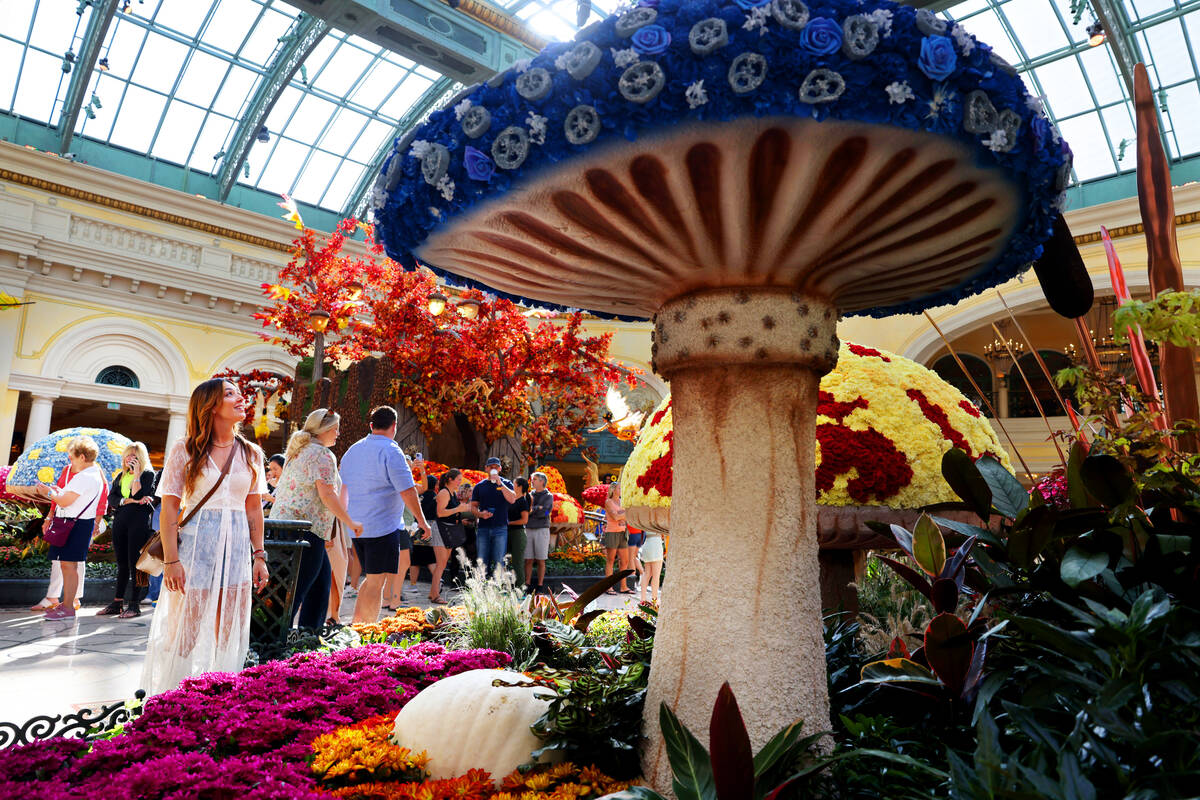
x=235, y=735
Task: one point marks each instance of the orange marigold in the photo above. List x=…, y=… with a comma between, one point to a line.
x=364, y=751
x=406, y=622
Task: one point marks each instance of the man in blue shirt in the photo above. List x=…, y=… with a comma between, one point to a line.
x=379, y=486
x=490, y=500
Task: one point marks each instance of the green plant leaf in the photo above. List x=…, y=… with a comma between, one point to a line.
x=928, y=546
x=1079, y=565
x=897, y=670
x=964, y=478
x=1107, y=480
x=1076, y=492
x=731, y=756
x=966, y=529
x=689, y=762
x=781, y=747
x=1008, y=495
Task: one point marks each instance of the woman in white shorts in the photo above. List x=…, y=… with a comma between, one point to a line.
x=651, y=556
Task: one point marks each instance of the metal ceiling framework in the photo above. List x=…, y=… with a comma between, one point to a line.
x=97, y=28
x=298, y=46
x=1136, y=30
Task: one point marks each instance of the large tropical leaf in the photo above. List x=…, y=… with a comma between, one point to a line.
x=689, y=761
x=928, y=546
x=1008, y=495
x=964, y=478
x=595, y=590
x=897, y=670
x=909, y=574
x=1107, y=480
x=948, y=649
x=1079, y=565
x=729, y=744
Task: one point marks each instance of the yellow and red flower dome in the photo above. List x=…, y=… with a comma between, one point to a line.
x=883, y=424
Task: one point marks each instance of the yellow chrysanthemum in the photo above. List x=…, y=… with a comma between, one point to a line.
x=34, y=453
x=116, y=447
x=883, y=425
x=554, y=479
x=61, y=444
x=46, y=475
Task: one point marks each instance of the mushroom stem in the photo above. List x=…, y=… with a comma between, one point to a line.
x=742, y=603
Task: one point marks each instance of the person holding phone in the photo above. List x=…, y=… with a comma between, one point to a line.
x=132, y=498
x=490, y=500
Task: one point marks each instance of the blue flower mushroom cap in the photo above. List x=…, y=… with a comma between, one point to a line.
x=866, y=152
x=47, y=457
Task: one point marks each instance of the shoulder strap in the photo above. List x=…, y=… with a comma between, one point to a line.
x=94, y=500
x=224, y=471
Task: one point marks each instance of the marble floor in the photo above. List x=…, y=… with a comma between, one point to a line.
x=57, y=667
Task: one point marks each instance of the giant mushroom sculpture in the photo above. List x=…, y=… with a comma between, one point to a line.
x=744, y=172
x=883, y=424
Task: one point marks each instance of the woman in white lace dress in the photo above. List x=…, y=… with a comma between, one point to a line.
x=202, y=621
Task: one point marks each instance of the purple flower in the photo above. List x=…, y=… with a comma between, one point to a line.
x=937, y=59
x=746, y=5
x=651, y=40
x=479, y=166
x=821, y=36
x=654, y=3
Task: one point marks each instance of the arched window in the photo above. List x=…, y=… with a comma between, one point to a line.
x=1020, y=401
x=117, y=375
x=948, y=370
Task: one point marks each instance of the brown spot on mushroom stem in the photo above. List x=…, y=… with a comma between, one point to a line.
x=723, y=317
x=768, y=322
x=745, y=341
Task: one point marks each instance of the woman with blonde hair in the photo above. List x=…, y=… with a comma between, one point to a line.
x=132, y=500
x=215, y=558
x=310, y=488
x=616, y=537
x=77, y=501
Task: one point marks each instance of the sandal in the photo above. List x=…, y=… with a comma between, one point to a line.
x=439, y=601
x=47, y=602
x=609, y=591
x=130, y=613
x=112, y=609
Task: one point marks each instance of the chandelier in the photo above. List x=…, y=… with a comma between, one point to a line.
x=1001, y=351
x=1112, y=355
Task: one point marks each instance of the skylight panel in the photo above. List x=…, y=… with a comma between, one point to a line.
x=185, y=18
x=406, y=94
x=202, y=78
x=383, y=77
x=310, y=119
x=1089, y=145
x=281, y=168
x=159, y=63
x=343, y=71
x=1102, y=73
x=177, y=132
x=343, y=131
x=263, y=40
x=35, y=97
x=344, y=182
x=231, y=23
x=1169, y=52
x=236, y=91
x=137, y=118
x=1183, y=105
x=10, y=67
x=210, y=142
x=370, y=140
x=1036, y=26
x=314, y=180
x=54, y=26
x=1065, y=87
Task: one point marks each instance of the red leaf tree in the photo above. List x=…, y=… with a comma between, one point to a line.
x=544, y=382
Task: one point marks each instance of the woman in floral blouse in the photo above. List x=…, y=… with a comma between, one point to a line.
x=311, y=489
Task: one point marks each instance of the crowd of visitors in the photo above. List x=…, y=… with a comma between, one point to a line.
x=373, y=520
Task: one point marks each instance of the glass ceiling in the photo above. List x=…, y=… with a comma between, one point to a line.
x=181, y=74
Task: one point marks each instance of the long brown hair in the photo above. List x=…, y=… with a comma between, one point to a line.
x=202, y=406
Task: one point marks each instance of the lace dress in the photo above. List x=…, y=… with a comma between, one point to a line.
x=207, y=628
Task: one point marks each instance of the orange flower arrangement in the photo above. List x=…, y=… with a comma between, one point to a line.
x=554, y=479
x=566, y=510
x=475, y=785
x=406, y=622
x=474, y=476
x=562, y=781
x=579, y=553
x=364, y=751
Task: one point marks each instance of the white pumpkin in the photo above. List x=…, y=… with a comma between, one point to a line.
x=464, y=722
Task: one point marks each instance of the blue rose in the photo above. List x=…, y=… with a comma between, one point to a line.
x=479, y=166
x=821, y=36
x=651, y=40
x=746, y=5
x=938, y=58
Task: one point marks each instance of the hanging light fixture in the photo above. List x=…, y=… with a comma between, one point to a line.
x=468, y=308
x=998, y=350
x=318, y=320
x=436, y=303
x=102, y=64
x=1096, y=34
x=264, y=135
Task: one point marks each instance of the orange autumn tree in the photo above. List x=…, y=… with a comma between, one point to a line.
x=544, y=382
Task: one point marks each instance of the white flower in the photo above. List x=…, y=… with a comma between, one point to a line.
x=964, y=40
x=898, y=92
x=537, y=128
x=941, y=94
x=623, y=58
x=561, y=62
x=420, y=148
x=696, y=95
x=757, y=18
x=462, y=108
x=882, y=18
x=521, y=66
x=446, y=187
x=1035, y=103
x=998, y=140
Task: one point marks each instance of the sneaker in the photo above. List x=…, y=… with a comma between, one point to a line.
x=112, y=609
x=60, y=612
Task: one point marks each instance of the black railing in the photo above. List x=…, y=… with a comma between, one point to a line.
x=86, y=724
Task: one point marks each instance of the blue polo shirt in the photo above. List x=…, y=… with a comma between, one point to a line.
x=490, y=498
x=375, y=473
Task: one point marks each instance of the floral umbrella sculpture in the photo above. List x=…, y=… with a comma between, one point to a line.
x=43, y=462
x=883, y=424
x=744, y=172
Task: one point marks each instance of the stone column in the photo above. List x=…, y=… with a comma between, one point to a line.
x=1002, y=396
x=176, y=428
x=38, y=426
x=744, y=366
